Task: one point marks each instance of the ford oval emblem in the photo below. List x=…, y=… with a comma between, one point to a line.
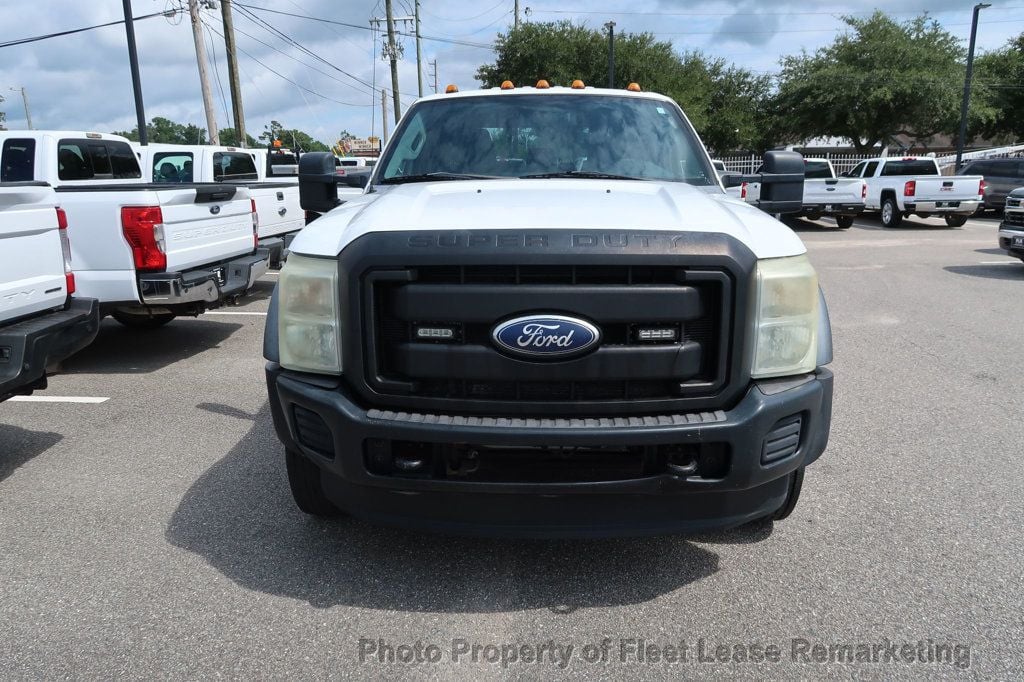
x=215, y=209
x=546, y=337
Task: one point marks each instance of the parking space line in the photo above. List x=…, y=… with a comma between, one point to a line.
x=998, y=262
x=235, y=312
x=57, y=399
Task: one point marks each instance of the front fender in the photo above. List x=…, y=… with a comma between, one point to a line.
x=270, y=342
x=824, y=331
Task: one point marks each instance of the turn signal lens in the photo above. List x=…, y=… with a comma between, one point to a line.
x=144, y=231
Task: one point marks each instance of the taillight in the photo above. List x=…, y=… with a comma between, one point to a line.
x=909, y=188
x=863, y=191
x=981, y=189
x=144, y=230
x=743, y=191
x=255, y=224
x=65, y=248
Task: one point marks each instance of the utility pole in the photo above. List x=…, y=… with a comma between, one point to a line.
x=419, y=55
x=965, y=104
x=611, y=53
x=204, y=81
x=384, y=116
x=394, y=60
x=133, y=62
x=24, y=100
x=236, y=86
x=434, y=74
x=515, y=21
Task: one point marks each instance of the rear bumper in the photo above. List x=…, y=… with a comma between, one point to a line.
x=834, y=209
x=943, y=207
x=351, y=437
x=206, y=285
x=29, y=346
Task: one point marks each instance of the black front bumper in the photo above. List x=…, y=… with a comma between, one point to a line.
x=833, y=209
x=660, y=503
x=29, y=346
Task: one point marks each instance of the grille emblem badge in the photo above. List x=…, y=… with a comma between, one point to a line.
x=545, y=337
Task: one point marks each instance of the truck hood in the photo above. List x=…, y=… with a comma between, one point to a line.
x=514, y=204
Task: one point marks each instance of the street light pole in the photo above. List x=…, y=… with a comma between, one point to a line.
x=611, y=53
x=965, y=104
x=133, y=63
x=24, y=100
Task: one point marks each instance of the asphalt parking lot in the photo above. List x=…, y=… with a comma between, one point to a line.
x=152, y=533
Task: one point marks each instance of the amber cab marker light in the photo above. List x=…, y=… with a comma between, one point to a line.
x=577, y=84
x=543, y=85
x=633, y=87
x=451, y=88
x=507, y=85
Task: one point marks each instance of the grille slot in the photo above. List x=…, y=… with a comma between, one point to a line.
x=1013, y=218
x=783, y=440
x=312, y=431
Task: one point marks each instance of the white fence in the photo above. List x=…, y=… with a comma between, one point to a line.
x=845, y=162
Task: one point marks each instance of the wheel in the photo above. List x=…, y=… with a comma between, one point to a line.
x=304, y=480
x=796, y=482
x=142, y=320
x=956, y=220
x=844, y=222
x=813, y=216
x=891, y=215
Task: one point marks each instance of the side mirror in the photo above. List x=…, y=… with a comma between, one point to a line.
x=318, y=185
x=782, y=182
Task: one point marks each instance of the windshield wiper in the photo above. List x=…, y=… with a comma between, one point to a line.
x=437, y=175
x=578, y=174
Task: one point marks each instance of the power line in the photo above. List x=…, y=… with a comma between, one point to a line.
x=431, y=14
x=47, y=36
x=733, y=13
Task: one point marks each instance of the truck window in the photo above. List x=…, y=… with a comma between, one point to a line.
x=172, y=167
x=523, y=135
x=869, y=172
x=233, y=166
x=99, y=159
x=17, y=161
x=858, y=170
x=910, y=167
x=816, y=170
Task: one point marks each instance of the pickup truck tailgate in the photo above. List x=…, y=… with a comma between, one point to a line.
x=205, y=225
x=278, y=208
x=833, y=191
x=31, y=260
x=947, y=188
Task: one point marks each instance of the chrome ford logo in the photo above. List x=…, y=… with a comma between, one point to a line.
x=546, y=336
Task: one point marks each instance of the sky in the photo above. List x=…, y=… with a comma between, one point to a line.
x=83, y=82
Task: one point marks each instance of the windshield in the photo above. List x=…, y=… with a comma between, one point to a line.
x=544, y=135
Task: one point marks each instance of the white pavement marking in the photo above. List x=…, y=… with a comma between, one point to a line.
x=234, y=312
x=57, y=399
x=998, y=262
x=272, y=273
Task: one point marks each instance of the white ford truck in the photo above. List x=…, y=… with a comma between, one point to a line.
x=824, y=194
x=147, y=251
x=40, y=323
x=913, y=185
x=277, y=202
x=1011, y=230
x=546, y=318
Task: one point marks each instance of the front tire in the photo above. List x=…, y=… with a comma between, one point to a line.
x=956, y=220
x=307, y=490
x=844, y=222
x=796, y=483
x=891, y=214
x=142, y=320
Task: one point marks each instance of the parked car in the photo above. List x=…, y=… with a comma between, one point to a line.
x=551, y=329
x=824, y=194
x=277, y=201
x=913, y=185
x=41, y=324
x=356, y=161
x=147, y=251
x=1002, y=176
x=1011, y=231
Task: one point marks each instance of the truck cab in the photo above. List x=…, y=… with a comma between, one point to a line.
x=545, y=317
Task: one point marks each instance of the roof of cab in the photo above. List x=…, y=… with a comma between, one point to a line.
x=553, y=90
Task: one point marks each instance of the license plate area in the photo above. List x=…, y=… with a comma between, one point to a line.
x=1017, y=242
x=220, y=275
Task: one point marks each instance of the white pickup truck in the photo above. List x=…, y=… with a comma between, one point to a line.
x=40, y=323
x=147, y=251
x=541, y=321
x=914, y=185
x=277, y=201
x=1011, y=230
x=824, y=194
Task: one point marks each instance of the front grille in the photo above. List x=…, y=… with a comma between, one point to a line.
x=1013, y=218
x=470, y=300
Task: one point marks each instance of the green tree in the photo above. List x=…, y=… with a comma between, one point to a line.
x=3, y=116
x=291, y=137
x=880, y=79
x=229, y=138
x=163, y=130
x=726, y=104
x=1000, y=76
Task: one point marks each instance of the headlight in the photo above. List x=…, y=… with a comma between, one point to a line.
x=308, y=315
x=786, y=326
